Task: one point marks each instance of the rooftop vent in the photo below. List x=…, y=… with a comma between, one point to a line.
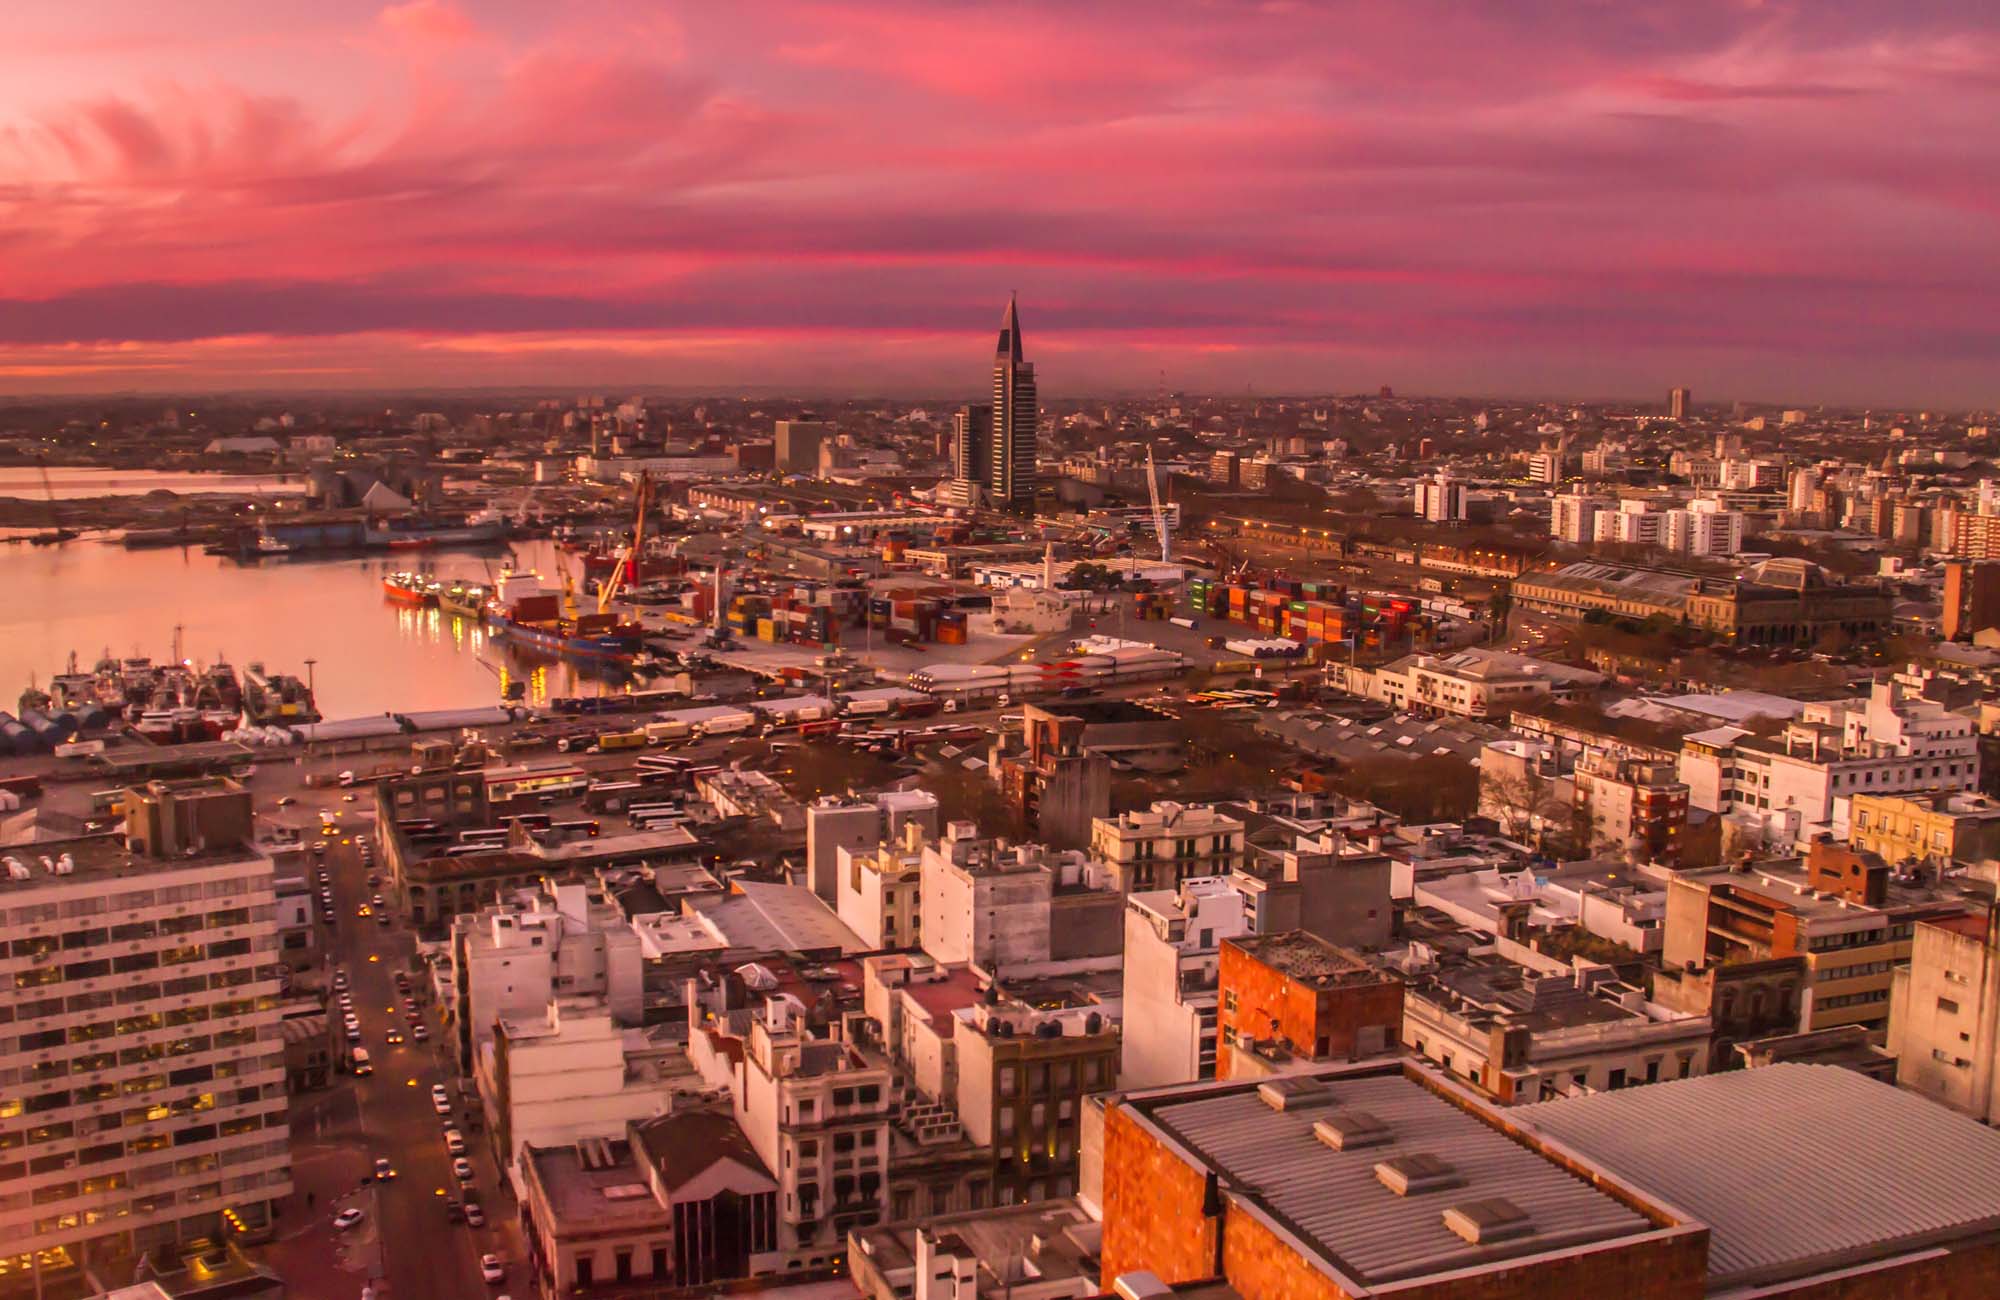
x=1489, y=1221
x=1294, y=1094
x=1417, y=1173
x=1352, y=1130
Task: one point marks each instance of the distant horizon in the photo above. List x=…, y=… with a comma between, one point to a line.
x=435, y=195
x=946, y=401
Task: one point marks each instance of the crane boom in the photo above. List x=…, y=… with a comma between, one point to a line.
x=609, y=588
x=1159, y=511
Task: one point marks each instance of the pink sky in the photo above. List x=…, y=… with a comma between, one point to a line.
x=1796, y=201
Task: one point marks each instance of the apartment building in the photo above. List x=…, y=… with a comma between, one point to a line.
x=1173, y=945
x=1162, y=846
x=999, y=905
x=1838, y=909
x=514, y=958
x=878, y=888
x=1938, y=828
x=1631, y=806
x=1944, y=1020
x=1573, y=516
x=1801, y=781
x=1025, y=1061
x=858, y=825
x=817, y=1114
x=567, y=1074
x=143, y=1063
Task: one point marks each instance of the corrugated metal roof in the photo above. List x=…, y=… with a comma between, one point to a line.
x=1795, y=1168
x=1335, y=1201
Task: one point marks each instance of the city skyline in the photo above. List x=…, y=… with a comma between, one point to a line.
x=1777, y=202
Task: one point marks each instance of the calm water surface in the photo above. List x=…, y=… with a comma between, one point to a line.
x=373, y=657
x=70, y=482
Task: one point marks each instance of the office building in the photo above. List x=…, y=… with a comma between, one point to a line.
x=1680, y=404
x=796, y=445
x=972, y=450
x=1016, y=421
x=145, y=1060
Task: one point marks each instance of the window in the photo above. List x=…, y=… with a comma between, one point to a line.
x=1947, y=1006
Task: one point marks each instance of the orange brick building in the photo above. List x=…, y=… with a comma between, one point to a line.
x=1294, y=996
x=1798, y=1181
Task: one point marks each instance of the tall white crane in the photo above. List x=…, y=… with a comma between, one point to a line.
x=1160, y=529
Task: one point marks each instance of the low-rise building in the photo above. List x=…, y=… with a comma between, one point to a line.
x=1523, y=1033
x=1936, y=828
x=1944, y=1023
x=1293, y=999
x=1173, y=944
x=1837, y=909
x=1162, y=846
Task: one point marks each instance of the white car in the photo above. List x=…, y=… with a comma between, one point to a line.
x=492, y=1269
x=346, y=1219
x=438, y=1093
x=351, y=1020
x=461, y=1169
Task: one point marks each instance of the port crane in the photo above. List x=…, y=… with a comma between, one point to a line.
x=609, y=588
x=1160, y=529
x=57, y=534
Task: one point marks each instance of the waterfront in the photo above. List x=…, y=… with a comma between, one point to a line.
x=372, y=657
x=72, y=483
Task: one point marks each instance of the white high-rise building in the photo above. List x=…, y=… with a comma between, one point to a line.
x=1573, y=516
x=1704, y=528
x=144, y=1102
x=1441, y=500
x=1805, y=482
x=1545, y=467
x=1633, y=523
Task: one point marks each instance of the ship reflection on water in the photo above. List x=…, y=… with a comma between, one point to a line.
x=520, y=675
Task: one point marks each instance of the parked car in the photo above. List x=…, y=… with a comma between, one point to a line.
x=492, y=1269
x=474, y=1216
x=461, y=1169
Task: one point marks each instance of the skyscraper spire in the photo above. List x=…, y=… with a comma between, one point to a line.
x=1010, y=332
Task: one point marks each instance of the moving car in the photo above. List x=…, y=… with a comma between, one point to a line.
x=419, y=1033
x=347, y=1218
x=394, y=1036
x=384, y=1171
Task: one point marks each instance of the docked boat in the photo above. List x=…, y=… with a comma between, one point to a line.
x=280, y=698
x=464, y=600
x=412, y=589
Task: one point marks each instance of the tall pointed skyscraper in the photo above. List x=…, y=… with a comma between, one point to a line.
x=1011, y=482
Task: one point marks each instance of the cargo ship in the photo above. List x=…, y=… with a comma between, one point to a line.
x=412, y=589
x=276, y=698
x=464, y=599
x=529, y=613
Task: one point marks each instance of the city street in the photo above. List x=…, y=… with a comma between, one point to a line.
x=405, y=1245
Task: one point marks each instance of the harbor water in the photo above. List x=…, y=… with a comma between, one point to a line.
x=371, y=656
x=70, y=483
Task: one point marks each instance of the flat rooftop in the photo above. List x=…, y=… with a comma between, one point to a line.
x=1335, y=1202
x=1309, y=959
x=1796, y=1169
x=95, y=858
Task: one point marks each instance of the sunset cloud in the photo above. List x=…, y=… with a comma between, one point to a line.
x=1789, y=199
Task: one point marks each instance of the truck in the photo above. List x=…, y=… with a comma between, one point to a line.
x=612, y=740
x=659, y=733
x=728, y=724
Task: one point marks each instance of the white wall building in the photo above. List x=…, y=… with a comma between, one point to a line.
x=1573, y=517
x=1173, y=946
x=1441, y=500
x=513, y=959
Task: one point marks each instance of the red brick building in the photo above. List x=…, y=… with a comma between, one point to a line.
x=1294, y=997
